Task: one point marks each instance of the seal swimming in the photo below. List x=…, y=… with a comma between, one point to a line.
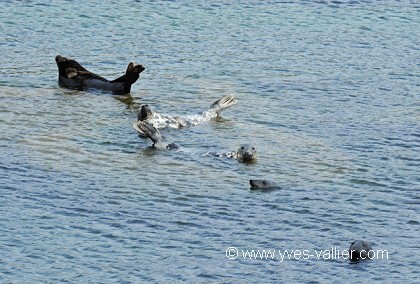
x=174, y=121
x=262, y=184
x=73, y=75
x=360, y=250
x=246, y=153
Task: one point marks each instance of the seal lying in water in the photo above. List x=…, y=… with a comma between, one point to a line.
x=162, y=120
x=73, y=75
x=246, y=153
x=262, y=184
x=360, y=250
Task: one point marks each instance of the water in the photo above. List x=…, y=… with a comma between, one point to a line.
x=328, y=91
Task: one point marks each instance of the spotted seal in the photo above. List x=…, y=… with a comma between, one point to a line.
x=360, y=250
x=162, y=121
x=73, y=75
x=262, y=184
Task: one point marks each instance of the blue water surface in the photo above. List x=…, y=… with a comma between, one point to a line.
x=328, y=92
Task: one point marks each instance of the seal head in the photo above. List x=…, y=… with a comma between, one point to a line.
x=360, y=250
x=144, y=113
x=247, y=153
x=262, y=184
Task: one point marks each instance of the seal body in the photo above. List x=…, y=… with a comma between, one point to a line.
x=73, y=75
x=175, y=121
x=246, y=153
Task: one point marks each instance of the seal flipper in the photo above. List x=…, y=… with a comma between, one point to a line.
x=223, y=103
x=144, y=113
x=130, y=77
x=150, y=131
x=137, y=128
x=71, y=73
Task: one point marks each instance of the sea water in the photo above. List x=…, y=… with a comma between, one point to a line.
x=328, y=92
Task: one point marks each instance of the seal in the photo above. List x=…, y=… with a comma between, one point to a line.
x=73, y=75
x=360, y=250
x=262, y=184
x=162, y=121
x=246, y=153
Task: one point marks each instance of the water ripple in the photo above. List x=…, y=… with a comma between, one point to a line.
x=327, y=92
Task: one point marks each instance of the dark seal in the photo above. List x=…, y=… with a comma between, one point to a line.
x=73, y=75
x=360, y=250
x=263, y=185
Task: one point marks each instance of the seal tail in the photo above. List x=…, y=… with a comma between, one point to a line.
x=223, y=103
